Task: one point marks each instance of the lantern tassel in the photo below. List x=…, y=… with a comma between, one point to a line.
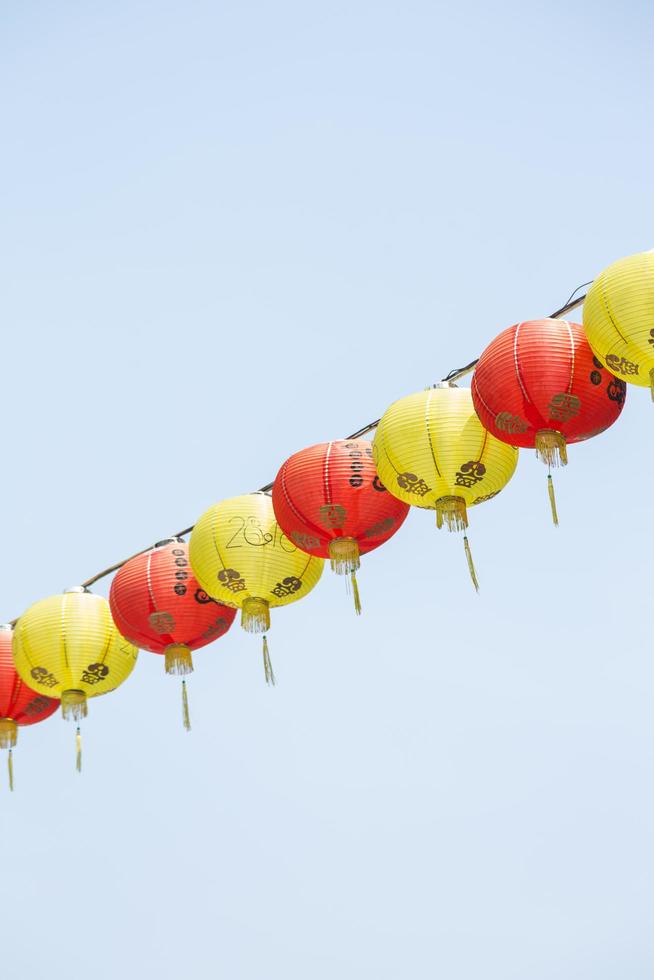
x=550, y=490
x=651, y=383
x=78, y=750
x=471, y=564
x=355, y=593
x=185, y=712
x=267, y=665
x=10, y=767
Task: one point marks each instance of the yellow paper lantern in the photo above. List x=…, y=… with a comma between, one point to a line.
x=619, y=318
x=68, y=647
x=241, y=558
x=432, y=451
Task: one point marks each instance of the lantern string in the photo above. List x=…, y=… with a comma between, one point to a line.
x=454, y=375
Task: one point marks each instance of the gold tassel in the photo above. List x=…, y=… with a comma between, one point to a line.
x=471, y=564
x=551, y=448
x=267, y=666
x=344, y=555
x=550, y=490
x=452, y=512
x=8, y=733
x=78, y=750
x=73, y=705
x=178, y=659
x=185, y=712
x=651, y=383
x=255, y=615
x=10, y=766
x=355, y=593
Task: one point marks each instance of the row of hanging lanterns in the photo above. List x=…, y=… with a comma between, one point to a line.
x=541, y=384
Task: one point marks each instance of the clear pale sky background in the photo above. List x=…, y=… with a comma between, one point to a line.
x=230, y=230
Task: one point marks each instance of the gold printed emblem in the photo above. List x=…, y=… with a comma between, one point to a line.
x=303, y=540
x=510, y=423
x=380, y=528
x=564, y=407
x=333, y=515
x=161, y=622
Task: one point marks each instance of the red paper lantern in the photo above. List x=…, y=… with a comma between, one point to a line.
x=330, y=502
x=19, y=704
x=158, y=605
x=539, y=386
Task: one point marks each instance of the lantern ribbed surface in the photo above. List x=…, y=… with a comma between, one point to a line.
x=19, y=704
x=540, y=377
x=332, y=491
x=241, y=557
x=157, y=602
x=619, y=318
x=432, y=451
x=68, y=645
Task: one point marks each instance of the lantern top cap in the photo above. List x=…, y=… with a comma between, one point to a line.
x=442, y=384
x=7, y=627
x=77, y=588
x=164, y=541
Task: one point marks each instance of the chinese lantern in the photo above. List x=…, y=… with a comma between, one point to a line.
x=330, y=502
x=241, y=557
x=19, y=704
x=158, y=605
x=619, y=318
x=432, y=451
x=538, y=386
x=68, y=647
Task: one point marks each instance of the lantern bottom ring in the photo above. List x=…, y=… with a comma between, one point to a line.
x=73, y=705
x=344, y=555
x=255, y=615
x=550, y=447
x=178, y=659
x=452, y=512
x=8, y=733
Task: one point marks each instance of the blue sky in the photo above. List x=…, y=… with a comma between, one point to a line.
x=232, y=230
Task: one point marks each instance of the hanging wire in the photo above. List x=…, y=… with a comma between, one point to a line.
x=568, y=306
x=570, y=297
